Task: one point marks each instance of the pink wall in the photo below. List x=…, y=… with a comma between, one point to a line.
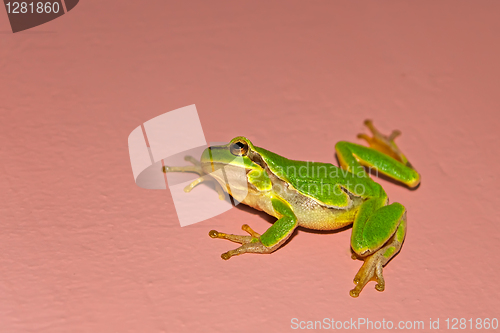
x=83, y=249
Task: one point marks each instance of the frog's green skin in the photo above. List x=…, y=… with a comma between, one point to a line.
x=316, y=196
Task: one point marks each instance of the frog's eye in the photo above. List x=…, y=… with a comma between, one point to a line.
x=239, y=148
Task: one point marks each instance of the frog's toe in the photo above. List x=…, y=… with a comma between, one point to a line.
x=252, y=247
x=187, y=168
x=226, y=255
x=246, y=227
x=370, y=271
x=383, y=143
x=253, y=238
x=213, y=233
x=377, y=136
x=233, y=238
x=193, y=160
x=394, y=134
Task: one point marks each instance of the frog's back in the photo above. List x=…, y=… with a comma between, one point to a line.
x=324, y=182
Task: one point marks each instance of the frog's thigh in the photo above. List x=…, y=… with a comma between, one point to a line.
x=283, y=227
x=372, y=266
x=374, y=225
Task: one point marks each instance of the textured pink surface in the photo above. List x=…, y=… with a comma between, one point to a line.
x=83, y=249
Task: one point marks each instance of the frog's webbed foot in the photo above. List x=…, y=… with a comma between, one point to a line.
x=371, y=270
x=250, y=244
x=383, y=143
x=373, y=266
x=195, y=168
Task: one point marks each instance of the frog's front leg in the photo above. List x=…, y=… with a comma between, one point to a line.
x=377, y=235
x=195, y=168
x=270, y=240
x=249, y=244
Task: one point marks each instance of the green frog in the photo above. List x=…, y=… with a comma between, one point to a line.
x=315, y=195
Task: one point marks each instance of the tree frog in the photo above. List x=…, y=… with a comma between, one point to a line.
x=315, y=195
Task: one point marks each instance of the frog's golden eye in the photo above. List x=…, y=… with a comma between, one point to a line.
x=239, y=148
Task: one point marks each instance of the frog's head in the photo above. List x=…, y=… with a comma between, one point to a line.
x=229, y=164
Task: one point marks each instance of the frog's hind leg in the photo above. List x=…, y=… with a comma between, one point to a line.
x=377, y=235
x=372, y=267
x=382, y=156
x=384, y=144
